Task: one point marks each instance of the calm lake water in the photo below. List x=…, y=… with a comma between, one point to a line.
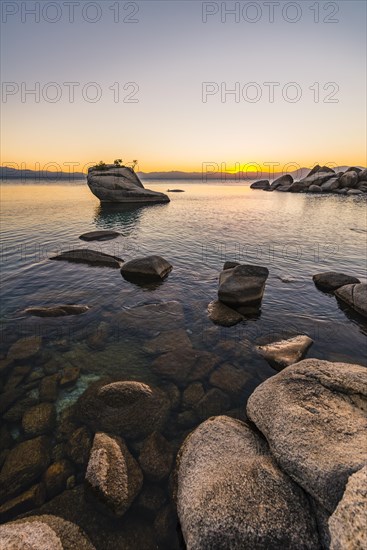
x=293, y=235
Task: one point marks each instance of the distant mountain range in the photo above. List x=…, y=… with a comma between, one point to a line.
x=7, y=173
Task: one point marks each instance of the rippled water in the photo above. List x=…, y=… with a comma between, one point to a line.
x=293, y=235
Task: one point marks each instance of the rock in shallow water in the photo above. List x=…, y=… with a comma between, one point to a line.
x=355, y=296
x=283, y=353
x=39, y=420
x=261, y=184
x=243, y=286
x=44, y=532
x=150, y=268
x=185, y=365
x=130, y=409
x=121, y=185
x=223, y=315
x=90, y=257
x=99, y=235
x=231, y=494
x=348, y=523
x=331, y=280
x=56, y=311
x=25, y=348
x=113, y=476
x=312, y=415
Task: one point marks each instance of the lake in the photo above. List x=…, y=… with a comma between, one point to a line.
x=293, y=235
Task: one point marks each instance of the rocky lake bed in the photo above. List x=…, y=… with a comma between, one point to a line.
x=151, y=399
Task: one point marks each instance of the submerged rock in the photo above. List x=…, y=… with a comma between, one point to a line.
x=230, y=379
x=231, y=493
x=130, y=409
x=223, y=315
x=185, y=365
x=355, y=296
x=283, y=353
x=56, y=311
x=23, y=465
x=105, y=235
x=113, y=476
x=150, y=268
x=90, y=257
x=39, y=420
x=312, y=415
x=169, y=340
x=30, y=499
x=348, y=523
x=44, y=532
x=121, y=185
x=149, y=319
x=25, y=348
x=156, y=457
x=331, y=280
x=243, y=286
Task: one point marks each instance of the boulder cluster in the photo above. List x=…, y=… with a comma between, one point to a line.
x=321, y=179
x=295, y=478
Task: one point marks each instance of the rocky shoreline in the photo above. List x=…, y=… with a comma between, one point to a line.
x=189, y=461
x=321, y=179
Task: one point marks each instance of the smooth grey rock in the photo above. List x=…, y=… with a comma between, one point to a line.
x=313, y=417
x=349, y=179
x=121, y=185
x=130, y=409
x=105, y=235
x=45, y=532
x=113, y=476
x=285, y=188
x=261, y=184
x=314, y=189
x=150, y=268
x=283, y=353
x=232, y=495
x=331, y=280
x=287, y=179
x=90, y=257
x=223, y=315
x=330, y=185
x=362, y=176
x=298, y=187
x=354, y=192
x=56, y=311
x=348, y=523
x=242, y=286
x=322, y=169
x=355, y=296
x=318, y=178
x=230, y=264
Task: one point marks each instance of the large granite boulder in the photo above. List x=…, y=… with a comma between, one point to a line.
x=130, y=409
x=150, y=268
x=355, y=296
x=331, y=280
x=243, y=286
x=349, y=179
x=231, y=494
x=287, y=179
x=43, y=532
x=313, y=417
x=120, y=184
x=318, y=178
x=330, y=185
x=113, y=477
x=322, y=169
x=261, y=184
x=349, y=521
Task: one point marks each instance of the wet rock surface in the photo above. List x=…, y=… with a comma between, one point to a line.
x=332, y=280
x=355, y=296
x=57, y=311
x=282, y=353
x=105, y=235
x=90, y=257
x=223, y=315
x=242, y=286
x=150, y=268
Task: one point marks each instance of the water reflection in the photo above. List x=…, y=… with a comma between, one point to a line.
x=122, y=216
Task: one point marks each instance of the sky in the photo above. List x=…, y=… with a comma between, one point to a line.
x=152, y=81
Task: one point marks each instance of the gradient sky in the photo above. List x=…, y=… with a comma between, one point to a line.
x=169, y=53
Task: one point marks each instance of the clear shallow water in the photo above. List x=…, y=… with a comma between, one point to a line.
x=293, y=235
